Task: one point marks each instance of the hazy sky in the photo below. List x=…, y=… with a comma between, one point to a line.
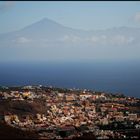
x=83, y=15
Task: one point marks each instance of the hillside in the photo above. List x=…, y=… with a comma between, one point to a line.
x=7, y=132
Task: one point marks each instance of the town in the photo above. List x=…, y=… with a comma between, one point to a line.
x=57, y=113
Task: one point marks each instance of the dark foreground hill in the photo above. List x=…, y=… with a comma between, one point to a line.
x=8, y=132
x=21, y=107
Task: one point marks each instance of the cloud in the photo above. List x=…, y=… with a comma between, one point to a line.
x=72, y=38
x=6, y=5
x=22, y=40
x=94, y=39
x=136, y=17
x=121, y=39
x=98, y=39
x=110, y=40
x=103, y=39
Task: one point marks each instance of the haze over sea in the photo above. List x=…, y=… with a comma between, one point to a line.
x=108, y=76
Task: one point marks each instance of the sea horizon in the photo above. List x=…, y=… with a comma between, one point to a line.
x=105, y=76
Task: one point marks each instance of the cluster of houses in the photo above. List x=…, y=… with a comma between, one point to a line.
x=75, y=112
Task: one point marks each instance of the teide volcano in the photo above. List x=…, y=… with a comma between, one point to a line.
x=49, y=40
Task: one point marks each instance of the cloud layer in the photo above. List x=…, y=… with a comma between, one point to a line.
x=137, y=17
x=6, y=5
x=100, y=39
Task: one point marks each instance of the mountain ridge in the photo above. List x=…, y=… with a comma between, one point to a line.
x=49, y=39
x=45, y=19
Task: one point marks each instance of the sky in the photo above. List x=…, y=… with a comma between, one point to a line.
x=111, y=40
x=80, y=15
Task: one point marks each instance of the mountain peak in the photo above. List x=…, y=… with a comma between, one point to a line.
x=49, y=22
x=44, y=23
x=45, y=19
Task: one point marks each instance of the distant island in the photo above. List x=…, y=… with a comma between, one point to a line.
x=45, y=112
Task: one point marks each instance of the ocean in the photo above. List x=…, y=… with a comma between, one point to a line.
x=112, y=77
